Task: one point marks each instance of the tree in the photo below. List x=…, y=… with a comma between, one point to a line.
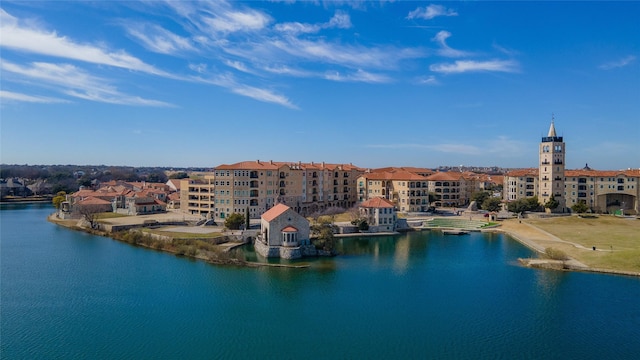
x=179, y=175
x=492, y=204
x=480, y=197
x=234, y=221
x=59, y=198
x=361, y=223
x=324, y=235
x=552, y=203
x=433, y=197
x=332, y=212
x=247, y=221
x=522, y=205
x=580, y=207
x=157, y=177
x=90, y=215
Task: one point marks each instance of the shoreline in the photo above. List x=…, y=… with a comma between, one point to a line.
x=541, y=263
x=517, y=232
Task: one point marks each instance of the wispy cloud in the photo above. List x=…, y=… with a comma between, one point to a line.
x=340, y=20
x=462, y=66
x=358, y=76
x=441, y=38
x=429, y=80
x=7, y=96
x=500, y=146
x=263, y=95
x=29, y=39
x=228, y=82
x=430, y=12
x=618, y=63
x=237, y=20
x=157, y=39
x=73, y=81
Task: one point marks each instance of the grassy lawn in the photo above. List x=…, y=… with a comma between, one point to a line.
x=109, y=215
x=620, y=238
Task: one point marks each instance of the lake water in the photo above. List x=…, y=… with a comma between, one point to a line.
x=70, y=295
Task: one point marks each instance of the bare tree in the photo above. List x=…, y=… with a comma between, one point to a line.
x=332, y=212
x=90, y=215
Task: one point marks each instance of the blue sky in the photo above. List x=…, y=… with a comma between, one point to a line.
x=155, y=83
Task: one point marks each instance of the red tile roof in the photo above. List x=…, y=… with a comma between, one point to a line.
x=445, y=176
x=94, y=201
x=377, y=202
x=274, y=165
x=289, y=229
x=274, y=212
x=394, y=175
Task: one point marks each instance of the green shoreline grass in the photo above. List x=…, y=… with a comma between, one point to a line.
x=616, y=239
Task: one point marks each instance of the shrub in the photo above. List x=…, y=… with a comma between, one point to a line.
x=555, y=254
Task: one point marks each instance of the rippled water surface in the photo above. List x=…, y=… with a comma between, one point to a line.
x=70, y=295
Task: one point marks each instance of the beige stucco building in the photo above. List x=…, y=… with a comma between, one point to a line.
x=380, y=214
x=260, y=185
x=602, y=191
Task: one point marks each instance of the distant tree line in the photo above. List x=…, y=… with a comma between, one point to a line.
x=69, y=178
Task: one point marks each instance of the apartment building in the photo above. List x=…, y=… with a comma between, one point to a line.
x=259, y=185
x=197, y=197
x=602, y=191
x=407, y=190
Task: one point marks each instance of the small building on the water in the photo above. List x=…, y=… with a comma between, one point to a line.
x=284, y=233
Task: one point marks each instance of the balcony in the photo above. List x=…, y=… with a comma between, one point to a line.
x=281, y=192
x=253, y=202
x=253, y=175
x=282, y=175
x=557, y=178
x=545, y=179
x=335, y=182
x=253, y=184
x=345, y=182
x=546, y=163
x=282, y=183
x=253, y=193
x=582, y=194
x=557, y=162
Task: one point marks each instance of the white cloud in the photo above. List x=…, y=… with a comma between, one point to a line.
x=461, y=66
x=12, y=96
x=500, y=146
x=237, y=65
x=228, y=82
x=441, y=38
x=199, y=68
x=429, y=80
x=263, y=95
x=286, y=70
x=431, y=12
x=237, y=20
x=159, y=40
x=358, y=76
x=618, y=63
x=27, y=39
x=339, y=20
x=75, y=82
